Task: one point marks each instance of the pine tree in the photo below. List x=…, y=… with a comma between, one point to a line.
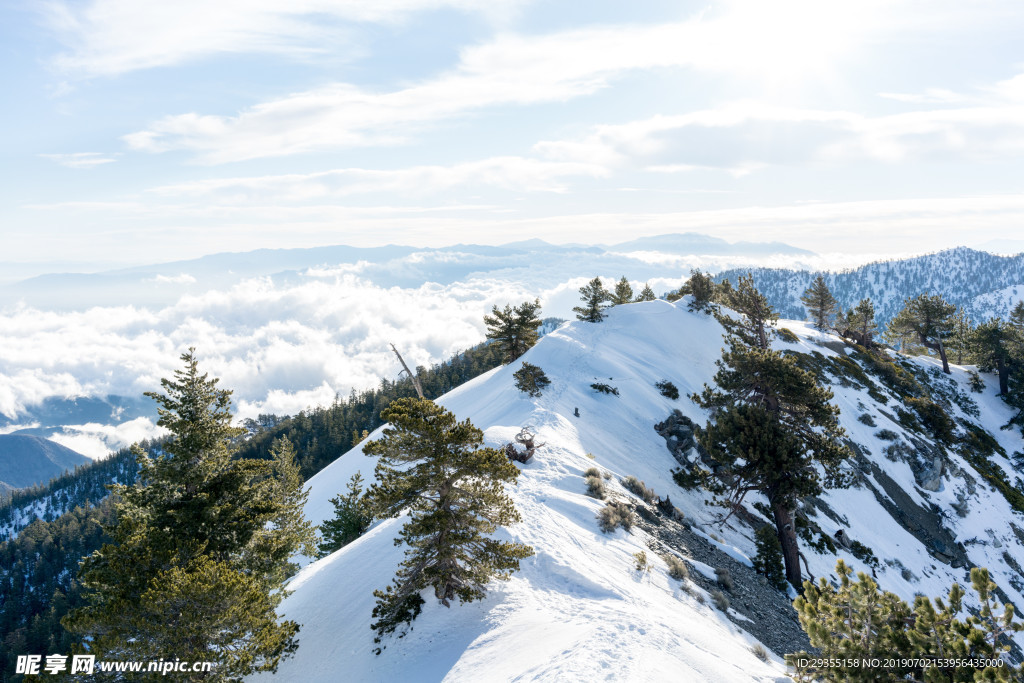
x=623, y=293
x=201, y=545
x=993, y=343
x=1017, y=316
x=701, y=288
x=594, y=297
x=960, y=337
x=514, y=330
x=860, y=323
x=925, y=321
x=434, y=466
x=820, y=303
x=351, y=518
x=758, y=316
x=772, y=425
x=646, y=294
x=857, y=621
x=531, y=379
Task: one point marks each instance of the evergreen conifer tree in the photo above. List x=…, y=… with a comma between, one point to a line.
x=961, y=336
x=351, y=518
x=201, y=545
x=860, y=323
x=820, y=303
x=993, y=344
x=754, y=328
x=925, y=321
x=701, y=288
x=772, y=423
x=857, y=622
x=1017, y=316
x=514, y=329
x=434, y=466
x=646, y=294
x=595, y=299
x=623, y=293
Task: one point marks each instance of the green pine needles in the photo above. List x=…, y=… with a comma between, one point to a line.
x=201, y=548
x=434, y=466
x=932, y=641
x=351, y=518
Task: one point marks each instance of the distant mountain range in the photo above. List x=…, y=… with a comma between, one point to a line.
x=27, y=460
x=163, y=284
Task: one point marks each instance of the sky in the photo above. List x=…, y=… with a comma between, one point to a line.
x=140, y=131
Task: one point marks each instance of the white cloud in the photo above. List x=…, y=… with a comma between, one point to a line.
x=80, y=159
x=107, y=37
x=97, y=441
x=512, y=173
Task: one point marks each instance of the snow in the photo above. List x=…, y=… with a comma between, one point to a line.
x=578, y=609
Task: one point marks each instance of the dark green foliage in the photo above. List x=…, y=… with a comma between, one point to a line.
x=773, y=424
x=863, y=553
x=858, y=324
x=434, y=467
x=603, y=388
x=960, y=344
x=857, y=621
x=514, y=330
x=667, y=389
x=820, y=304
x=322, y=434
x=646, y=294
x=623, y=293
x=754, y=328
x=865, y=418
x=977, y=384
x=925, y=322
x=996, y=347
x=934, y=418
x=701, y=287
x=768, y=561
x=788, y=335
x=886, y=435
x=351, y=518
x=201, y=547
x=531, y=380
x=615, y=515
x=977, y=448
x=595, y=300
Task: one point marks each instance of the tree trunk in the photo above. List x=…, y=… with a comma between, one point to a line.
x=1004, y=376
x=415, y=380
x=786, y=530
x=936, y=346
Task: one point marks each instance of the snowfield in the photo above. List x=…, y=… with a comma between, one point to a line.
x=578, y=610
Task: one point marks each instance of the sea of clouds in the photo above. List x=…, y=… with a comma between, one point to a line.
x=284, y=342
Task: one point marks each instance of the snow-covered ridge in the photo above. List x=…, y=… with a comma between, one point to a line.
x=578, y=610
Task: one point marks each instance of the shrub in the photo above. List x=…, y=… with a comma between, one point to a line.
x=724, y=578
x=760, y=652
x=637, y=487
x=677, y=569
x=640, y=560
x=934, y=418
x=768, y=561
x=667, y=389
x=531, y=380
x=721, y=602
x=614, y=515
x=592, y=472
x=977, y=384
x=788, y=335
x=595, y=487
x=602, y=388
x=886, y=435
x=866, y=418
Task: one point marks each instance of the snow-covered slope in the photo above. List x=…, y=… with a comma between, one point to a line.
x=578, y=610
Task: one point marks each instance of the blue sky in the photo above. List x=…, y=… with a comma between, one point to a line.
x=144, y=131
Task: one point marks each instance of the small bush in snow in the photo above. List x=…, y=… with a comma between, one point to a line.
x=886, y=435
x=592, y=472
x=677, y=569
x=724, y=578
x=595, y=487
x=614, y=515
x=531, y=380
x=602, y=388
x=637, y=487
x=760, y=652
x=640, y=561
x=721, y=602
x=667, y=389
x=977, y=384
x=866, y=418
x=788, y=335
